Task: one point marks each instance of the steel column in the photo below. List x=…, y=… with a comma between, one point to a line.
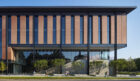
x=115, y=46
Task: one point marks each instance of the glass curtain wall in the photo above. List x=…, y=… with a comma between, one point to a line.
x=99, y=62
x=72, y=62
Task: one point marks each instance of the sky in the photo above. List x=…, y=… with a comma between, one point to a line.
x=133, y=19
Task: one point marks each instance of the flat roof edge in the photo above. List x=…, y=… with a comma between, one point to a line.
x=126, y=9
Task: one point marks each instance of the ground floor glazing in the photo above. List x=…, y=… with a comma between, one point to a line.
x=60, y=62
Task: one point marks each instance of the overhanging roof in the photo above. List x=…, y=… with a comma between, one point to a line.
x=39, y=9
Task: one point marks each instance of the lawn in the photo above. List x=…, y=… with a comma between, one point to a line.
x=129, y=73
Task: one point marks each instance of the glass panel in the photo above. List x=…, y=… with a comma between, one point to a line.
x=18, y=29
x=63, y=29
x=27, y=29
x=98, y=63
x=108, y=29
x=76, y=62
x=45, y=29
x=24, y=62
x=99, y=29
x=9, y=29
x=36, y=29
x=81, y=29
x=72, y=29
x=90, y=29
x=54, y=29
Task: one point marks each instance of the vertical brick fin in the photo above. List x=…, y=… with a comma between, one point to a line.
x=112, y=29
x=40, y=29
x=58, y=24
x=13, y=29
x=104, y=29
x=77, y=29
x=11, y=55
x=119, y=31
x=95, y=30
x=3, y=37
x=50, y=30
x=124, y=29
x=85, y=29
x=30, y=29
x=22, y=29
x=68, y=30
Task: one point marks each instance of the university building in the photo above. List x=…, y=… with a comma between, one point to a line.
x=80, y=35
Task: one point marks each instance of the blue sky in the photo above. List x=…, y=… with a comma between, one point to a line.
x=133, y=19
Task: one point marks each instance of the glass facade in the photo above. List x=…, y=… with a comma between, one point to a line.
x=81, y=30
x=73, y=62
x=72, y=29
x=27, y=29
x=9, y=29
x=0, y=37
x=99, y=29
x=45, y=29
x=90, y=29
x=63, y=29
x=54, y=29
x=98, y=62
x=18, y=29
x=63, y=38
x=36, y=30
x=108, y=29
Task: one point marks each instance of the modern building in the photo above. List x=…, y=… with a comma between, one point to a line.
x=80, y=35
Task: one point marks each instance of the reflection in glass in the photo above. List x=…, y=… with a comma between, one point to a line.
x=98, y=63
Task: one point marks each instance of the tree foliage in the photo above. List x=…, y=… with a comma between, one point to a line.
x=131, y=64
x=40, y=65
x=124, y=65
x=2, y=66
x=137, y=62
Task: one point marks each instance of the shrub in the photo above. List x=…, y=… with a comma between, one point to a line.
x=2, y=66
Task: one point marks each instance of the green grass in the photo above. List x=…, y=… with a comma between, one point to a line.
x=129, y=73
x=67, y=78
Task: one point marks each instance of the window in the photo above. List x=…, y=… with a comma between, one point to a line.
x=45, y=29
x=9, y=29
x=18, y=29
x=54, y=29
x=0, y=37
x=81, y=30
x=90, y=29
x=63, y=29
x=99, y=29
x=36, y=29
x=27, y=29
x=72, y=29
x=108, y=29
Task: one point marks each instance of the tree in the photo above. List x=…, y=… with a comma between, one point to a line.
x=121, y=64
x=137, y=62
x=58, y=63
x=40, y=65
x=2, y=66
x=131, y=64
